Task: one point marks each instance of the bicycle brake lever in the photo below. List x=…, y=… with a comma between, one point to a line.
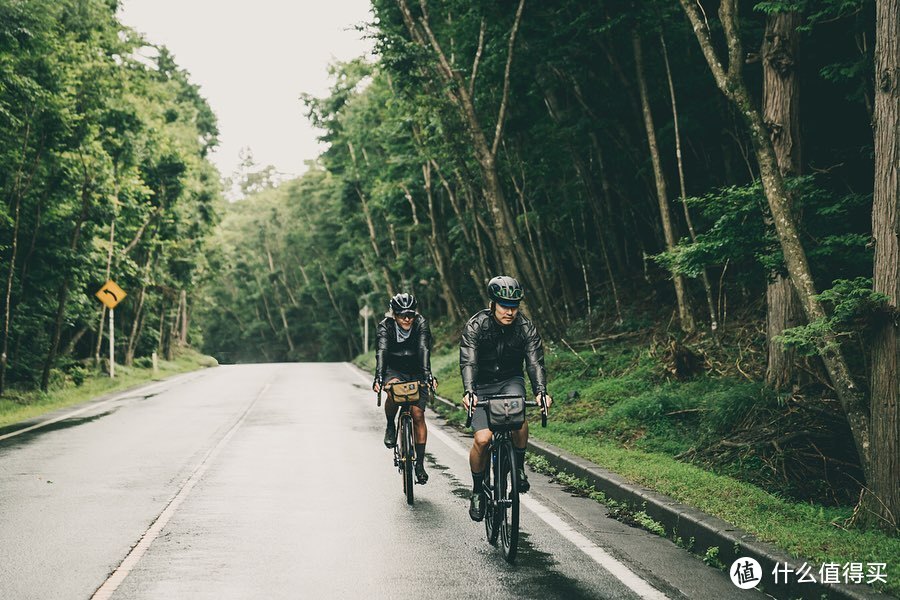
x=543, y=409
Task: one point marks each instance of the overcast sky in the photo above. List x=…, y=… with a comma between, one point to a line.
x=252, y=60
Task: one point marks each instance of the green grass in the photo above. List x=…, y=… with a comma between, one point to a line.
x=629, y=419
x=18, y=406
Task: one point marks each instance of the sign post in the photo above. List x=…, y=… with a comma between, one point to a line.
x=110, y=295
x=365, y=312
x=112, y=343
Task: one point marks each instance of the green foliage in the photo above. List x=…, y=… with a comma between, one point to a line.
x=740, y=237
x=711, y=558
x=854, y=307
x=93, y=139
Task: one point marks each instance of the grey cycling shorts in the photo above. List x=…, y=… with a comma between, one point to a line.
x=511, y=386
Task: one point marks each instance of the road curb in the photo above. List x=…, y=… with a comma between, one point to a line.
x=706, y=530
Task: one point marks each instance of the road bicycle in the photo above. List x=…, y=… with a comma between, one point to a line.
x=501, y=480
x=405, y=448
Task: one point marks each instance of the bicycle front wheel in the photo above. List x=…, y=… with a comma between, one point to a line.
x=407, y=457
x=509, y=503
x=491, y=487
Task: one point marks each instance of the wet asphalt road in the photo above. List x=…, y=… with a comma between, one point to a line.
x=259, y=490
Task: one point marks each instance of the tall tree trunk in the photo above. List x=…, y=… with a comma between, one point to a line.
x=513, y=259
x=882, y=504
x=340, y=313
x=18, y=192
x=467, y=234
x=684, y=309
x=63, y=295
x=439, y=252
x=8, y=295
x=273, y=276
x=135, y=327
x=731, y=83
x=704, y=277
x=185, y=321
x=781, y=113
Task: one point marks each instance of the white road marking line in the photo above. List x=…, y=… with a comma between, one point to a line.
x=616, y=568
x=81, y=410
x=109, y=586
x=600, y=556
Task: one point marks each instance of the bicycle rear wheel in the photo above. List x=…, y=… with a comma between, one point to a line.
x=509, y=502
x=407, y=457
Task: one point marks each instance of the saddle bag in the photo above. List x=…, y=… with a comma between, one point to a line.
x=405, y=392
x=506, y=414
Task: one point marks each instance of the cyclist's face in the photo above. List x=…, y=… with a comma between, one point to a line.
x=405, y=321
x=505, y=315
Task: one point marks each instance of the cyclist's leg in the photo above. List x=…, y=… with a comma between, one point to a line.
x=516, y=385
x=421, y=437
x=478, y=458
x=390, y=413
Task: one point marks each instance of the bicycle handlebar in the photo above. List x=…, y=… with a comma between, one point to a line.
x=487, y=399
x=428, y=384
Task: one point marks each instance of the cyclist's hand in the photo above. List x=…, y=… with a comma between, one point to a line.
x=466, y=397
x=434, y=383
x=376, y=385
x=548, y=400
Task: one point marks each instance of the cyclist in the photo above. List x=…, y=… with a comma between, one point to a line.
x=403, y=353
x=495, y=342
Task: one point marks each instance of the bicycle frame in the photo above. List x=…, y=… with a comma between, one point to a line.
x=404, y=449
x=501, y=485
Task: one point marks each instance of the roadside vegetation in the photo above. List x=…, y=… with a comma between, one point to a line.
x=78, y=384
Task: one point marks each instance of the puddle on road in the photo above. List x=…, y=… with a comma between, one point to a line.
x=534, y=573
x=457, y=487
x=538, y=577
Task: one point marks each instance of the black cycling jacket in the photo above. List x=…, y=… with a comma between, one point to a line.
x=490, y=352
x=412, y=356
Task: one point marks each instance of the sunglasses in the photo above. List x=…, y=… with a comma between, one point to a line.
x=406, y=315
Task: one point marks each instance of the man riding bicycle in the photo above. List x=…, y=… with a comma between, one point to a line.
x=495, y=342
x=403, y=353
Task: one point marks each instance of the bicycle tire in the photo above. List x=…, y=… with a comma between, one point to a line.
x=491, y=515
x=509, y=503
x=408, y=459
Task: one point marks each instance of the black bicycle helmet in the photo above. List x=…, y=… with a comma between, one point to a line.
x=402, y=303
x=505, y=291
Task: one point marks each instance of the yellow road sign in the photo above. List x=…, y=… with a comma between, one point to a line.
x=110, y=294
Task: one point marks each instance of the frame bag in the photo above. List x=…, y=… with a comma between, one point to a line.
x=405, y=392
x=506, y=414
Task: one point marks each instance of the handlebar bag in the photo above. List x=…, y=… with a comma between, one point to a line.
x=405, y=392
x=507, y=414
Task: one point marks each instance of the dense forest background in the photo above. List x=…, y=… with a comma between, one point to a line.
x=712, y=177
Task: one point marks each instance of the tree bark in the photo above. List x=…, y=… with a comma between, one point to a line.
x=63, y=294
x=882, y=503
x=732, y=85
x=135, y=327
x=439, y=252
x=19, y=193
x=704, y=276
x=8, y=296
x=684, y=309
x=781, y=113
